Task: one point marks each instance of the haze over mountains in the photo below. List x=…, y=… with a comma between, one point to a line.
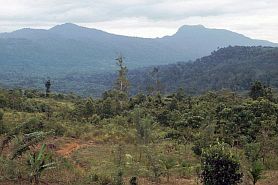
x=71, y=50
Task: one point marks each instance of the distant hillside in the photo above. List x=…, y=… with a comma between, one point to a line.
x=72, y=55
x=69, y=48
x=233, y=68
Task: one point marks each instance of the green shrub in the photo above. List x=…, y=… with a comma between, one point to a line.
x=100, y=179
x=219, y=166
x=256, y=171
x=3, y=128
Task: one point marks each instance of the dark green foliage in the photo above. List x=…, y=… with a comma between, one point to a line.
x=32, y=125
x=1, y=114
x=3, y=128
x=133, y=181
x=259, y=90
x=233, y=68
x=220, y=166
x=47, y=86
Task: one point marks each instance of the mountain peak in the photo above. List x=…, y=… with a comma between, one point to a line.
x=65, y=26
x=192, y=27
x=189, y=29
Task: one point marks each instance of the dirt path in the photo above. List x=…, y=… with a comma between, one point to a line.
x=68, y=149
x=72, y=146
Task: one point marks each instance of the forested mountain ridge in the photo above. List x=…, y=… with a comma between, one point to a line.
x=77, y=49
x=81, y=60
x=233, y=68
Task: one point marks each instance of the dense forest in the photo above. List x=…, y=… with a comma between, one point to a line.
x=232, y=68
x=213, y=138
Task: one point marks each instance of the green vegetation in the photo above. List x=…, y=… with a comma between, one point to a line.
x=219, y=166
x=232, y=68
x=38, y=163
x=215, y=138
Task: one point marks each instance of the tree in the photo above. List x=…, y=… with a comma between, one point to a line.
x=259, y=90
x=47, y=86
x=254, y=156
x=122, y=83
x=89, y=108
x=2, y=126
x=157, y=87
x=256, y=171
x=220, y=166
x=143, y=125
x=154, y=164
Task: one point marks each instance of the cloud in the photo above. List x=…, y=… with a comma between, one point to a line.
x=149, y=18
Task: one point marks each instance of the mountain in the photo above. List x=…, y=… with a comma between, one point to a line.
x=233, y=68
x=198, y=41
x=71, y=50
x=69, y=47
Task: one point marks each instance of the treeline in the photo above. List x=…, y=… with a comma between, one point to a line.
x=232, y=68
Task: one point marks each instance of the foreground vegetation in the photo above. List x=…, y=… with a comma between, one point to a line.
x=144, y=139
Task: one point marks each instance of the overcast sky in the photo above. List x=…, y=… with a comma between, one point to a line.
x=145, y=18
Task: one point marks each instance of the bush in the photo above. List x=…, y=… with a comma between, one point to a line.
x=219, y=166
x=32, y=125
x=1, y=114
x=100, y=179
x=256, y=171
x=3, y=129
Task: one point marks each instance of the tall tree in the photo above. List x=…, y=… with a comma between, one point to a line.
x=157, y=86
x=122, y=83
x=47, y=86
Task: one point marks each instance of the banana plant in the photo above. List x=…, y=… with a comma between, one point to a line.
x=38, y=162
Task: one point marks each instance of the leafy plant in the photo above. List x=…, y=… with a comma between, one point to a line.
x=38, y=162
x=256, y=171
x=168, y=164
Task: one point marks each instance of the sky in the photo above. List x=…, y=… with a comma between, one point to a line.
x=144, y=18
